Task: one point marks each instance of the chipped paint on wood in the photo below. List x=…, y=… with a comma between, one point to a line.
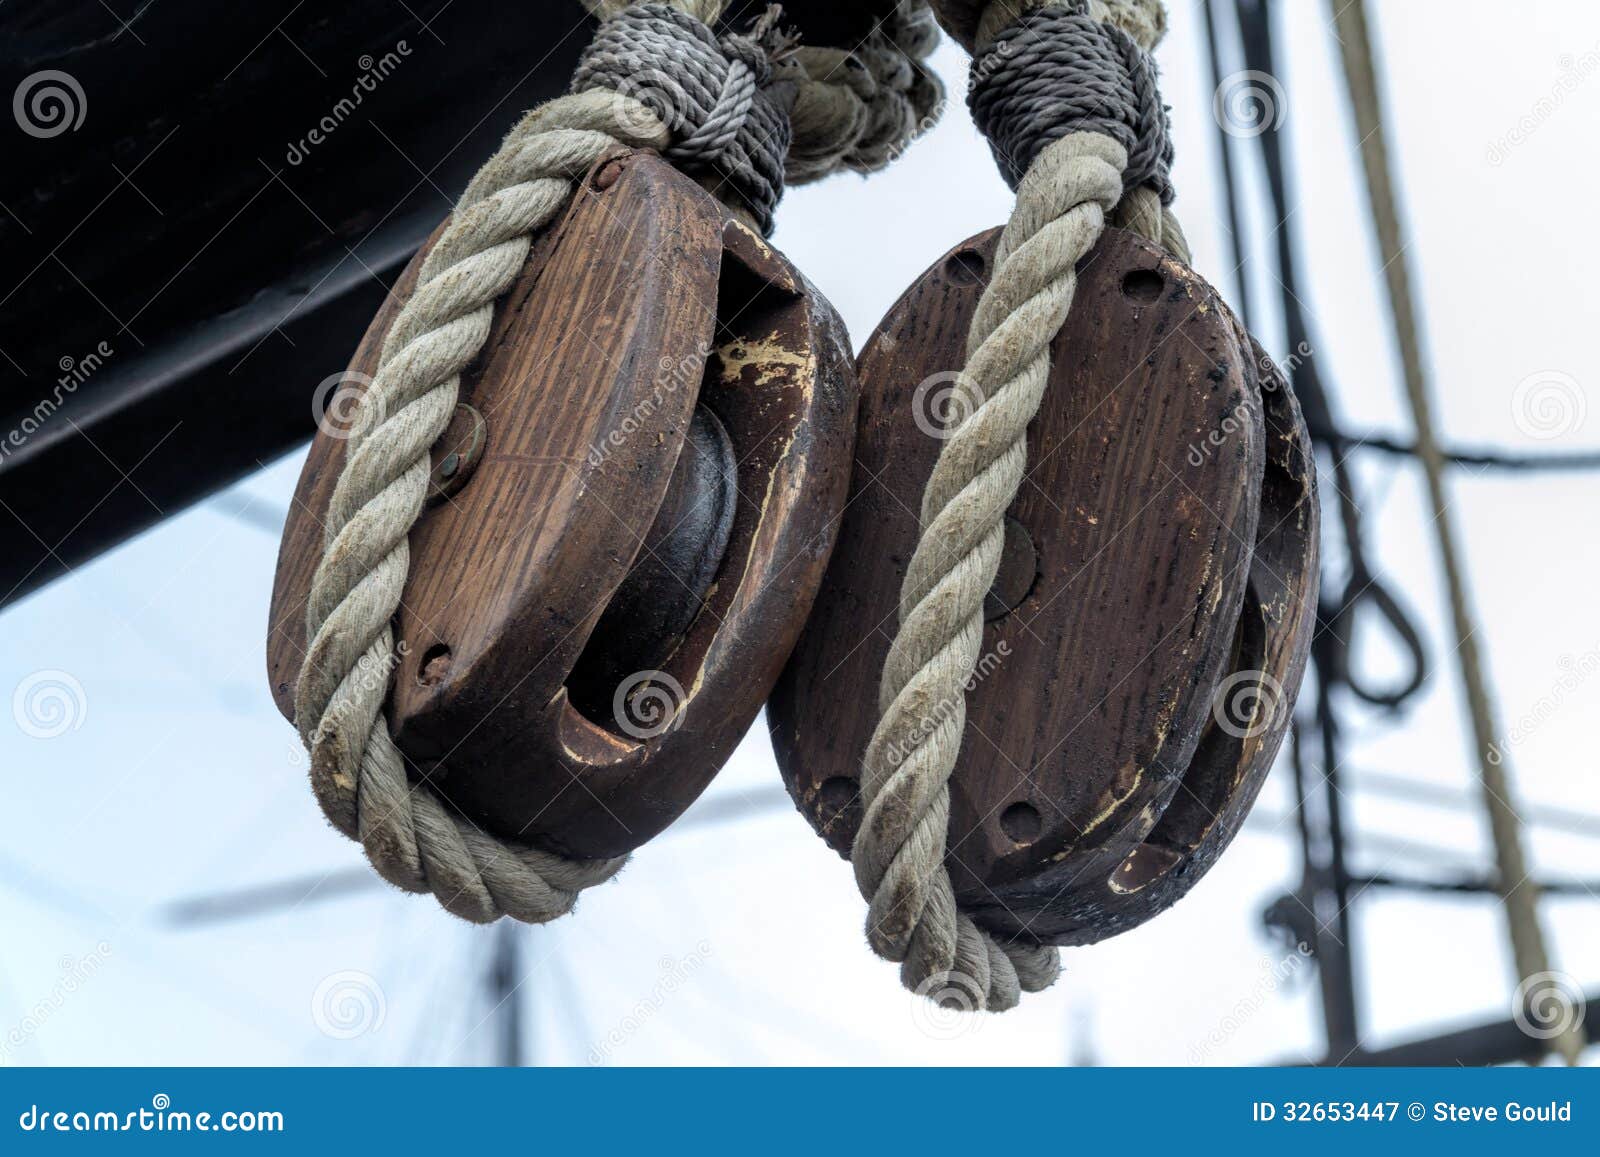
x=769, y=357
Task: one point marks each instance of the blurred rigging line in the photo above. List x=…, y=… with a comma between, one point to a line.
x=270, y=899
x=1419, y=791
x=1473, y=885
x=21, y=879
x=1325, y=887
x=1389, y=848
x=315, y=887
x=1241, y=275
x=1481, y=457
x=505, y=999
x=1520, y=895
x=1327, y=881
x=1495, y=1043
x=256, y=513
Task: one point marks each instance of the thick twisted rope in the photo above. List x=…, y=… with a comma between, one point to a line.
x=1074, y=165
x=858, y=108
x=711, y=94
x=724, y=121
x=1058, y=72
x=358, y=775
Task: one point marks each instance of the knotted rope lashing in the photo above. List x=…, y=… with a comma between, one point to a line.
x=857, y=108
x=719, y=113
x=1070, y=105
x=711, y=94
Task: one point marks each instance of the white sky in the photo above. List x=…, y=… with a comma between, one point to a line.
x=742, y=943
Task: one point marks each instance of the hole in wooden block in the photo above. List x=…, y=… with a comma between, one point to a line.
x=434, y=666
x=1143, y=285
x=1021, y=822
x=964, y=267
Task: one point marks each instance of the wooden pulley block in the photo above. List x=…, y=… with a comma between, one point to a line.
x=1150, y=622
x=631, y=515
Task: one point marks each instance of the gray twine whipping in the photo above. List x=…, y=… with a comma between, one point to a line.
x=711, y=94
x=1058, y=71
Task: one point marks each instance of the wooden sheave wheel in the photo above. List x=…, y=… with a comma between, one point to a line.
x=631, y=515
x=1152, y=616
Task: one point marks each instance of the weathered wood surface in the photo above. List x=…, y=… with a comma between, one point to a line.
x=1251, y=708
x=543, y=691
x=960, y=18
x=1164, y=539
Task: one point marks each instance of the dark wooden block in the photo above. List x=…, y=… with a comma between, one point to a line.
x=1162, y=548
x=594, y=617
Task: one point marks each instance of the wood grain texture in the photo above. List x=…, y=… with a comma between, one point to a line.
x=1154, y=468
x=646, y=309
